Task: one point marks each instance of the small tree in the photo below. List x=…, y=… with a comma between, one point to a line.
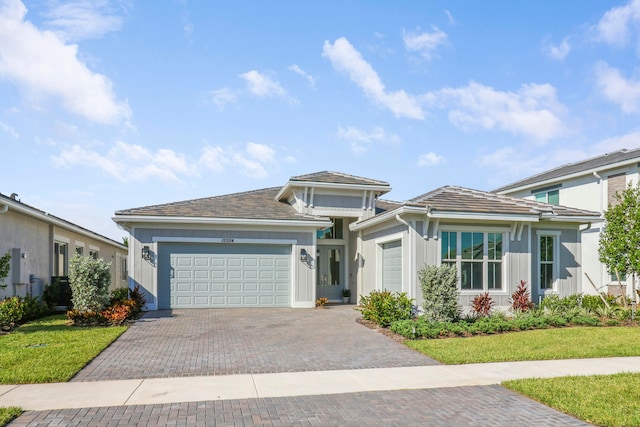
x=439, y=292
x=89, y=280
x=619, y=247
x=5, y=266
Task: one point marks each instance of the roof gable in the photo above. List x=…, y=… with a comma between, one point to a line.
x=338, y=178
x=584, y=166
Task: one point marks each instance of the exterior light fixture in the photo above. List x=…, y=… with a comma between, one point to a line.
x=146, y=253
x=303, y=255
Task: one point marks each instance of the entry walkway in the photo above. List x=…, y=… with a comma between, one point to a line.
x=157, y=391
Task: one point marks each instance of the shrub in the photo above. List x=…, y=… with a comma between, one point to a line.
x=117, y=314
x=440, y=292
x=521, y=298
x=594, y=302
x=482, y=304
x=11, y=312
x=86, y=318
x=384, y=308
x=137, y=296
x=89, y=280
x=118, y=295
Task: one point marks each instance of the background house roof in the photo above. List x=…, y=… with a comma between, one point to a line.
x=575, y=168
x=460, y=199
x=15, y=204
x=256, y=204
x=338, y=178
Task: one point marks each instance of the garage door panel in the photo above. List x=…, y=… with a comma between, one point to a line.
x=216, y=275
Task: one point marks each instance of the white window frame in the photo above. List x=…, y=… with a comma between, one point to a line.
x=555, y=234
x=58, y=243
x=485, y=257
x=381, y=241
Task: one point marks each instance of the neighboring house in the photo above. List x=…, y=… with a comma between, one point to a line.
x=41, y=244
x=589, y=184
x=324, y=232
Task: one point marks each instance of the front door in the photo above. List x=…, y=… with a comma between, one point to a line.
x=330, y=280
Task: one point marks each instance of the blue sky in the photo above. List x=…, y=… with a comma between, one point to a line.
x=108, y=105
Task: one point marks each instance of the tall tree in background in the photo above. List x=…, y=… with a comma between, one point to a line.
x=620, y=238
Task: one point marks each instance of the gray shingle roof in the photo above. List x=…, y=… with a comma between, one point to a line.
x=460, y=199
x=257, y=204
x=338, y=178
x=577, y=167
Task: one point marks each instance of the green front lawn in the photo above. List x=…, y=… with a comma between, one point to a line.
x=604, y=400
x=47, y=350
x=541, y=344
x=8, y=414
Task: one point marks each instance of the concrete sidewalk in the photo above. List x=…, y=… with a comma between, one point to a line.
x=40, y=397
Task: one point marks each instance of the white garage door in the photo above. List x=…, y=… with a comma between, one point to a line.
x=392, y=266
x=223, y=275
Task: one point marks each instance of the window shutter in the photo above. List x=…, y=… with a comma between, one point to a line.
x=615, y=184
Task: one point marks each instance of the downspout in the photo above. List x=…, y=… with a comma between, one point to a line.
x=599, y=178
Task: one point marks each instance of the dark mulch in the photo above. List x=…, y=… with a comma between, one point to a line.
x=384, y=331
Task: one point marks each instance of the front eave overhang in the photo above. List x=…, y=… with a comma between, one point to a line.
x=389, y=215
x=126, y=221
x=570, y=218
x=313, y=184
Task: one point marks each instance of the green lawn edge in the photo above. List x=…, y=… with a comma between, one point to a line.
x=9, y=414
x=49, y=350
x=580, y=342
x=603, y=400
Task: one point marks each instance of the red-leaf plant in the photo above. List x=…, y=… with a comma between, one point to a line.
x=521, y=298
x=482, y=304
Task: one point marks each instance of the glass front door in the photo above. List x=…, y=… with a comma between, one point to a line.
x=330, y=280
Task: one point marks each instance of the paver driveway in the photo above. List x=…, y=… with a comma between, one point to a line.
x=239, y=341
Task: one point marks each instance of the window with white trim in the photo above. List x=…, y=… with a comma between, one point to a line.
x=552, y=197
x=478, y=256
x=547, y=259
x=60, y=255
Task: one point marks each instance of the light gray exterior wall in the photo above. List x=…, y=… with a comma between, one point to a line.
x=31, y=240
x=520, y=258
x=144, y=273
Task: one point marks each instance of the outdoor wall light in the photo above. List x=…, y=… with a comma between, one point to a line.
x=146, y=253
x=303, y=255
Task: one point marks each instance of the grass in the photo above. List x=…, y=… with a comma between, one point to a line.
x=604, y=400
x=8, y=414
x=48, y=350
x=541, y=344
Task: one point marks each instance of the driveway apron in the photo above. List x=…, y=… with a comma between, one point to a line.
x=240, y=341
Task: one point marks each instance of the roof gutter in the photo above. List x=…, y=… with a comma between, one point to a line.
x=126, y=220
x=393, y=214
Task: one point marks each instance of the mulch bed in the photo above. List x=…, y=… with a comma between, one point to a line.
x=384, y=331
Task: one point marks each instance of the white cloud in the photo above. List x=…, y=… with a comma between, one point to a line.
x=297, y=69
x=224, y=96
x=42, y=65
x=450, y=16
x=8, y=129
x=558, y=52
x=614, y=143
x=424, y=43
x=128, y=162
x=214, y=158
x=531, y=111
x=345, y=58
x=430, y=159
x=261, y=85
x=361, y=140
x=617, y=89
x=254, y=161
x=615, y=25
x=83, y=19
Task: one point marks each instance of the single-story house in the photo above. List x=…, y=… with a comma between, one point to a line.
x=41, y=244
x=327, y=231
